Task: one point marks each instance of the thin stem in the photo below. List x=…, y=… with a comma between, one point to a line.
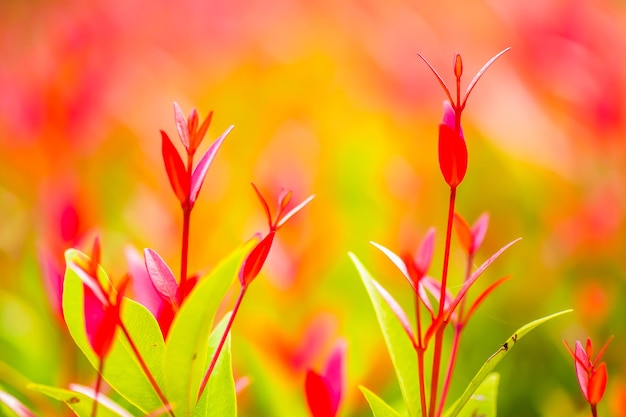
x=451, y=364
x=420, y=354
x=458, y=329
x=145, y=369
x=594, y=410
x=216, y=355
x=184, y=256
x=439, y=334
x=94, y=409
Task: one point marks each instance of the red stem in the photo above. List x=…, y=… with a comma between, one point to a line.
x=184, y=256
x=94, y=409
x=439, y=334
x=146, y=370
x=594, y=410
x=216, y=355
x=420, y=354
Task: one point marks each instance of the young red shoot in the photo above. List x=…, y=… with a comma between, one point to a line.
x=591, y=373
x=186, y=181
x=254, y=262
x=453, y=161
x=324, y=391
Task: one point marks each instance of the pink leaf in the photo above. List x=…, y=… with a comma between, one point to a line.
x=15, y=405
x=582, y=369
x=424, y=254
x=181, y=125
x=143, y=289
x=199, y=173
x=397, y=261
x=293, y=211
x=335, y=373
x=480, y=73
x=441, y=82
x=162, y=277
x=100, y=398
x=479, y=230
x=398, y=311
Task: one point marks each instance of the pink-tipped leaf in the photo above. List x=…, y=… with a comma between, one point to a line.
x=441, y=81
x=15, y=405
x=424, y=255
x=199, y=173
x=293, y=211
x=397, y=311
x=181, y=125
x=483, y=296
x=480, y=73
x=266, y=207
x=162, y=277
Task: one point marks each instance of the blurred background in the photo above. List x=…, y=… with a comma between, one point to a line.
x=327, y=98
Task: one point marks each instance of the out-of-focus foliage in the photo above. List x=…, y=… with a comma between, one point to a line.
x=327, y=98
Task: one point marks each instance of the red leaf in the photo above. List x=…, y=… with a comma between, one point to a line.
x=255, y=260
x=397, y=311
x=100, y=323
x=192, y=127
x=176, y=172
x=597, y=384
x=452, y=155
x=181, y=125
x=199, y=135
x=162, y=277
x=318, y=395
x=202, y=168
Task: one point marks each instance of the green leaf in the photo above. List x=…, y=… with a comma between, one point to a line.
x=400, y=348
x=122, y=370
x=219, y=398
x=80, y=403
x=485, y=400
x=188, y=339
x=379, y=407
x=494, y=359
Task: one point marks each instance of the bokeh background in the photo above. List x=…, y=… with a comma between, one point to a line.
x=330, y=98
